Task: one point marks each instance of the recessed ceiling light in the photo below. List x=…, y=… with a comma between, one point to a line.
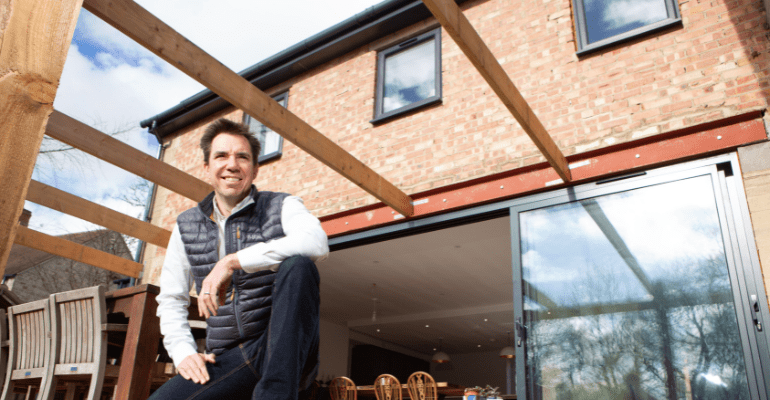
x=427, y=326
x=486, y=319
x=378, y=330
x=478, y=346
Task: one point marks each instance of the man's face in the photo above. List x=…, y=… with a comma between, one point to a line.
x=230, y=169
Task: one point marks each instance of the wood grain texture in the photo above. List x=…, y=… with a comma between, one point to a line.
x=67, y=203
x=33, y=47
x=73, y=251
x=156, y=36
x=462, y=32
x=105, y=147
x=757, y=186
x=141, y=349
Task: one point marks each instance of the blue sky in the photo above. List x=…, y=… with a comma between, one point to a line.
x=112, y=83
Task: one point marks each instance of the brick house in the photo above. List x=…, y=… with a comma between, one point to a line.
x=659, y=107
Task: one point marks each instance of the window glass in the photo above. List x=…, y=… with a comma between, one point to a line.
x=601, y=23
x=629, y=296
x=410, y=76
x=272, y=142
x=607, y=18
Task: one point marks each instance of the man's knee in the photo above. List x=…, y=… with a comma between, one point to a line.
x=299, y=267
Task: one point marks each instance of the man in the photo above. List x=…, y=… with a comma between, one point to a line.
x=250, y=255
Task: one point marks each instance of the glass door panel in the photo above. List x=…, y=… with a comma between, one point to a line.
x=629, y=296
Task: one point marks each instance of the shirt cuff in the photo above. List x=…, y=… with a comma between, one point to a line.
x=182, y=351
x=248, y=261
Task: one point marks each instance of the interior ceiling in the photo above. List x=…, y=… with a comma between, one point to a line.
x=454, y=284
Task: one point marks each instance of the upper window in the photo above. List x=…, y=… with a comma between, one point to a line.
x=408, y=75
x=272, y=142
x=601, y=23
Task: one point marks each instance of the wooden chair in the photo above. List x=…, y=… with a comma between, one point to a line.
x=79, y=318
x=4, y=344
x=422, y=386
x=29, y=348
x=342, y=388
x=387, y=387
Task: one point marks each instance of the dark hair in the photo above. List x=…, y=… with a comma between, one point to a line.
x=224, y=125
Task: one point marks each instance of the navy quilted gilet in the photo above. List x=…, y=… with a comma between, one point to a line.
x=246, y=312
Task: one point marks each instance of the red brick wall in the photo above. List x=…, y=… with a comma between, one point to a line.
x=714, y=66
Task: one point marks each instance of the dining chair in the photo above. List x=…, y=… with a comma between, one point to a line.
x=29, y=328
x=387, y=387
x=422, y=386
x=342, y=388
x=79, y=317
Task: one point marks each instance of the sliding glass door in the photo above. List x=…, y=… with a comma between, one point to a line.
x=635, y=289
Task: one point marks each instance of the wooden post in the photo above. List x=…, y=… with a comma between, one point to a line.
x=147, y=30
x=462, y=32
x=33, y=48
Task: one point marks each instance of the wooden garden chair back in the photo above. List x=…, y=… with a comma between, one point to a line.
x=80, y=319
x=342, y=388
x=29, y=328
x=387, y=387
x=422, y=386
x=4, y=344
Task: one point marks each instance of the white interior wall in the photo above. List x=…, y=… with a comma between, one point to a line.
x=473, y=369
x=333, y=350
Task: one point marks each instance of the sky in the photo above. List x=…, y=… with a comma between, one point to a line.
x=606, y=18
x=673, y=231
x=111, y=83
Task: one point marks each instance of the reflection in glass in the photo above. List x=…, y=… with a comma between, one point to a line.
x=410, y=76
x=628, y=296
x=607, y=18
x=269, y=139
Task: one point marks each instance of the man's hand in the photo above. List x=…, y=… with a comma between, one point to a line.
x=193, y=367
x=214, y=287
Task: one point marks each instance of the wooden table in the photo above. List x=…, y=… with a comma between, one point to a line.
x=138, y=304
x=444, y=389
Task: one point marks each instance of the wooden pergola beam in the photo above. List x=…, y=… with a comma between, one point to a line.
x=74, y=251
x=462, y=32
x=67, y=203
x=156, y=36
x=33, y=48
x=105, y=147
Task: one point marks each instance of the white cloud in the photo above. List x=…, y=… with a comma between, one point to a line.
x=619, y=13
x=411, y=69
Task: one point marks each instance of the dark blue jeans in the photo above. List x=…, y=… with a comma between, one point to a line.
x=278, y=364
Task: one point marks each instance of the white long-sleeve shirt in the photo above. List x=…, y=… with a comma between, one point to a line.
x=304, y=236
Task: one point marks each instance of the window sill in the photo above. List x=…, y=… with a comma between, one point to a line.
x=630, y=35
x=405, y=110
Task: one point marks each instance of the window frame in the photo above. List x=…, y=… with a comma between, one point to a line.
x=581, y=28
x=283, y=100
x=435, y=35
x=740, y=249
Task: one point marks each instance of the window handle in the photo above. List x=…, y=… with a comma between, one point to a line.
x=521, y=332
x=755, y=312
